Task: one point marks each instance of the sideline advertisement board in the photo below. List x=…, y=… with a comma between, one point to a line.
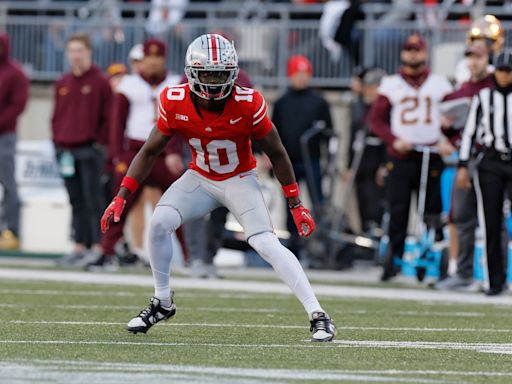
x=45, y=213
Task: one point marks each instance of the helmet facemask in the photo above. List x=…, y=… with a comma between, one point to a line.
x=217, y=89
x=211, y=67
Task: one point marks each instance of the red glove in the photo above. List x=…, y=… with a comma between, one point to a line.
x=113, y=210
x=303, y=220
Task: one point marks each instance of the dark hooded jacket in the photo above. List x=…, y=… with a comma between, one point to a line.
x=82, y=111
x=13, y=89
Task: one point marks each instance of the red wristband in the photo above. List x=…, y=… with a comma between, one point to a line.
x=130, y=183
x=291, y=190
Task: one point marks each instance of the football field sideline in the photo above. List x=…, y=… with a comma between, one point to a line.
x=254, y=286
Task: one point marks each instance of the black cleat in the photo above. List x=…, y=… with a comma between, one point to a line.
x=151, y=315
x=322, y=327
x=389, y=268
x=102, y=262
x=496, y=291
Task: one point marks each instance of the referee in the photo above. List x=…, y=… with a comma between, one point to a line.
x=489, y=126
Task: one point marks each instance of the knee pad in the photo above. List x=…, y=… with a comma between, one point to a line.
x=165, y=220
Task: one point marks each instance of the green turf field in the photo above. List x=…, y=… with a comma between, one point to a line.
x=73, y=333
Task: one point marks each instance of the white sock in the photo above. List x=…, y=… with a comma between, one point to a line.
x=287, y=268
x=164, y=222
x=452, y=267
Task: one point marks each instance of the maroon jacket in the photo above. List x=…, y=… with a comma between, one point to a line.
x=82, y=111
x=466, y=90
x=13, y=89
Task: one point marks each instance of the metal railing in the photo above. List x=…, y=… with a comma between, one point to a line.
x=265, y=36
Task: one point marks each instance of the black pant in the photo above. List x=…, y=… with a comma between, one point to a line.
x=295, y=242
x=11, y=201
x=86, y=193
x=402, y=180
x=495, y=179
x=370, y=196
x=464, y=215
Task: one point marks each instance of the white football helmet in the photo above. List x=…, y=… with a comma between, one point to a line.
x=211, y=52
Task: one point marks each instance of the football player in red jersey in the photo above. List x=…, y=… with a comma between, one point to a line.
x=218, y=119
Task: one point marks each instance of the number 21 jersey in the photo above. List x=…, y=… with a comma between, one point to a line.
x=415, y=114
x=220, y=143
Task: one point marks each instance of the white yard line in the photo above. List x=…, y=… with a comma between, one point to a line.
x=55, y=292
x=91, y=307
x=135, y=307
x=253, y=286
x=270, y=311
x=211, y=325
x=159, y=344
x=502, y=348
x=219, y=325
x=208, y=369
x=60, y=371
x=64, y=292
x=447, y=313
x=242, y=371
x=358, y=312
x=479, y=347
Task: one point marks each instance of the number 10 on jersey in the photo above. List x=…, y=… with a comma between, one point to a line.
x=217, y=155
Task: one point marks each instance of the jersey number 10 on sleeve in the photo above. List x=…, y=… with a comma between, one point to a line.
x=243, y=94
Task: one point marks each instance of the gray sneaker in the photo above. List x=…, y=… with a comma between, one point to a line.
x=198, y=269
x=453, y=283
x=71, y=259
x=212, y=272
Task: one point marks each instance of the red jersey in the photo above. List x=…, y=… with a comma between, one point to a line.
x=220, y=143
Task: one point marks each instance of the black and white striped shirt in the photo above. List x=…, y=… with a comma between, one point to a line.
x=489, y=124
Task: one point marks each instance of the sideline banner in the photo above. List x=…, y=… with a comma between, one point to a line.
x=45, y=212
x=36, y=165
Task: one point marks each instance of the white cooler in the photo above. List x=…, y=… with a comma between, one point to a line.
x=45, y=212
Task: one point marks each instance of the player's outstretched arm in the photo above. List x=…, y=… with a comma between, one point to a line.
x=136, y=174
x=273, y=147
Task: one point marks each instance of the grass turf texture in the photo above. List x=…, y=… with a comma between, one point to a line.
x=65, y=323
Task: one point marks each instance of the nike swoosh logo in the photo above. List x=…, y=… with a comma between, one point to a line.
x=234, y=121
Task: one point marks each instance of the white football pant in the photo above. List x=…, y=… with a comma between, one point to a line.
x=193, y=196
